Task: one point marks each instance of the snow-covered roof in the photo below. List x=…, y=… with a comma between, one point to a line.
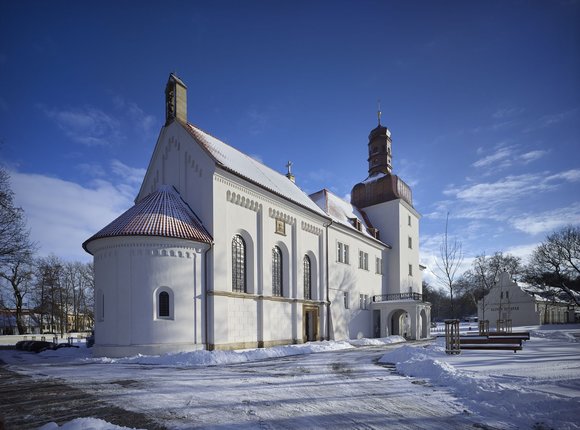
x=342, y=212
x=544, y=294
x=250, y=169
x=162, y=213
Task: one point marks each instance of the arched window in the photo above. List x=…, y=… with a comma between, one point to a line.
x=276, y=271
x=163, y=297
x=163, y=303
x=238, y=264
x=307, y=279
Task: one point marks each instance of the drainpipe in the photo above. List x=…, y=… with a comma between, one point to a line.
x=206, y=298
x=327, y=287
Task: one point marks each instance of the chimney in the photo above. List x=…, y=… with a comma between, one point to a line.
x=175, y=100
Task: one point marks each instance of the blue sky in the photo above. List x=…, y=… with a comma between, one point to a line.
x=482, y=99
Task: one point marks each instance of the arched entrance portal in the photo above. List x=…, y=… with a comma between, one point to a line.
x=423, y=324
x=400, y=324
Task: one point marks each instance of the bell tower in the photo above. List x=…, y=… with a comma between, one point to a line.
x=175, y=100
x=380, y=149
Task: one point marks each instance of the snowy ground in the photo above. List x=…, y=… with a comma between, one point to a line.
x=333, y=385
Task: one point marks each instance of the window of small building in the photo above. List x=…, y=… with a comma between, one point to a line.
x=378, y=266
x=238, y=264
x=410, y=242
x=410, y=270
x=307, y=278
x=276, y=271
x=345, y=298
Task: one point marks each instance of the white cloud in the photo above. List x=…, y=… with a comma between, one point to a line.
x=506, y=112
x=257, y=157
x=551, y=119
x=131, y=175
x=522, y=251
x=61, y=214
x=501, y=156
x=511, y=187
x=88, y=125
x=528, y=157
x=544, y=222
x=141, y=121
x=572, y=175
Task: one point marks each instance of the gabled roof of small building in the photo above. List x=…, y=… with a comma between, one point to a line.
x=251, y=170
x=162, y=213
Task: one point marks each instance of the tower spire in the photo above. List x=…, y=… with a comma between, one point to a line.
x=379, y=113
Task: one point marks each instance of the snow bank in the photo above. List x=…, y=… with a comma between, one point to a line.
x=214, y=358
x=377, y=341
x=498, y=396
x=84, y=424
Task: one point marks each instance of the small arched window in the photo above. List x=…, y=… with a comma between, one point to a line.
x=163, y=303
x=276, y=271
x=307, y=279
x=238, y=264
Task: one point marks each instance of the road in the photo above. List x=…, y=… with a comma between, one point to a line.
x=340, y=389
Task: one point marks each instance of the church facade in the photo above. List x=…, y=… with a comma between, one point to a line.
x=222, y=252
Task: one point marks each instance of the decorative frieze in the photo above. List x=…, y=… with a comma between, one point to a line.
x=278, y=214
x=243, y=201
x=312, y=228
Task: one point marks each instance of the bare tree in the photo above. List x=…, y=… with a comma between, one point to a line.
x=48, y=284
x=15, y=249
x=556, y=263
x=18, y=272
x=451, y=257
x=14, y=238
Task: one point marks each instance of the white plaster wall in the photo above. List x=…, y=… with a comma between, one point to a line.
x=243, y=208
x=128, y=270
x=353, y=322
x=518, y=306
x=179, y=161
x=391, y=218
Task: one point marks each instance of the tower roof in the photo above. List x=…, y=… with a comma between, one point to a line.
x=162, y=213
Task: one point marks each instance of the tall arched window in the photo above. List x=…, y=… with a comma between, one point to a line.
x=163, y=303
x=276, y=271
x=307, y=279
x=238, y=264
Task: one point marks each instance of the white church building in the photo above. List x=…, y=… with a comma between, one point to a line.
x=222, y=252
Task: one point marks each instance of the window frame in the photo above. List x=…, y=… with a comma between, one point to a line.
x=277, y=272
x=239, y=265
x=307, y=277
x=170, y=303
